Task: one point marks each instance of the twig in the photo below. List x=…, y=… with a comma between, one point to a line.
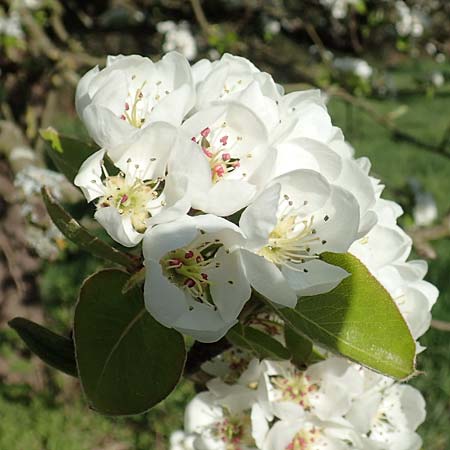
x=200, y=353
x=422, y=236
x=11, y=264
x=440, y=325
x=201, y=18
x=384, y=121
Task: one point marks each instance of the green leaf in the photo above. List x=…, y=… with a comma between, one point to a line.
x=66, y=153
x=255, y=341
x=55, y=350
x=127, y=361
x=300, y=347
x=358, y=319
x=76, y=233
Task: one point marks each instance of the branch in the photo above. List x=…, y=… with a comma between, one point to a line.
x=440, y=325
x=386, y=122
x=201, y=18
x=422, y=236
x=200, y=353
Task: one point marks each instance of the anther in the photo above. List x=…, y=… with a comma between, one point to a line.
x=205, y=132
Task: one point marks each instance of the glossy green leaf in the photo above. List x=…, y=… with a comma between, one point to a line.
x=76, y=233
x=300, y=347
x=127, y=361
x=55, y=350
x=257, y=342
x=66, y=153
x=358, y=319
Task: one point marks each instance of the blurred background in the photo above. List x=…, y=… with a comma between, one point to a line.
x=384, y=67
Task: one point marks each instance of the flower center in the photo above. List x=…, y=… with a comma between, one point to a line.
x=305, y=439
x=292, y=240
x=216, y=147
x=185, y=267
x=130, y=196
x=234, y=431
x=295, y=389
x=138, y=105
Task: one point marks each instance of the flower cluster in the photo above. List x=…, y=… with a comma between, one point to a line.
x=273, y=405
x=232, y=186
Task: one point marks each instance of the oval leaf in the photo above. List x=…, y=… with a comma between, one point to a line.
x=127, y=361
x=76, y=233
x=55, y=350
x=358, y=319
x=255, y=341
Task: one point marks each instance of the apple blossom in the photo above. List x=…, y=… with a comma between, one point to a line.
x=299, y=216
x=132, y=91
x=195, y=281
x=141, y=194
x=325, y=389
x=219, y=429
x=226, y=156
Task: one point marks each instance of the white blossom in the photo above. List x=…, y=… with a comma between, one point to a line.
x=194, y=281
x=130, y=93
x=226, y=155
x=178, y=37
x=10, y=25
x=339, y=8
x=179, y=440
x=357, y=66
x=411, y=22
x=141, y=194
x=299, y=216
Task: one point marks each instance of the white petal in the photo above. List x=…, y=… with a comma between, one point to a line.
x=150, y=150
x=260, y=427
x=203, y=323
x=118, y=226
x=226, y=197
x=340, y=229
x=161, y=239
x=164, y=300
x=320, y=278
x=260, y=217
x=229, y=287
x=304, y=153
x=88, y=178
x=107, y=129
x=307, y=189
x=266, y=278
x=82, y=98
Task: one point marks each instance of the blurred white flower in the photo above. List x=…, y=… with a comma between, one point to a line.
x=357, y=66
x=411, y=22
x=272, y=26
x=10, y=25
x=178, y=37
x=179, y=440
x=425, y=210
x=339, y=8
x=437, y=78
